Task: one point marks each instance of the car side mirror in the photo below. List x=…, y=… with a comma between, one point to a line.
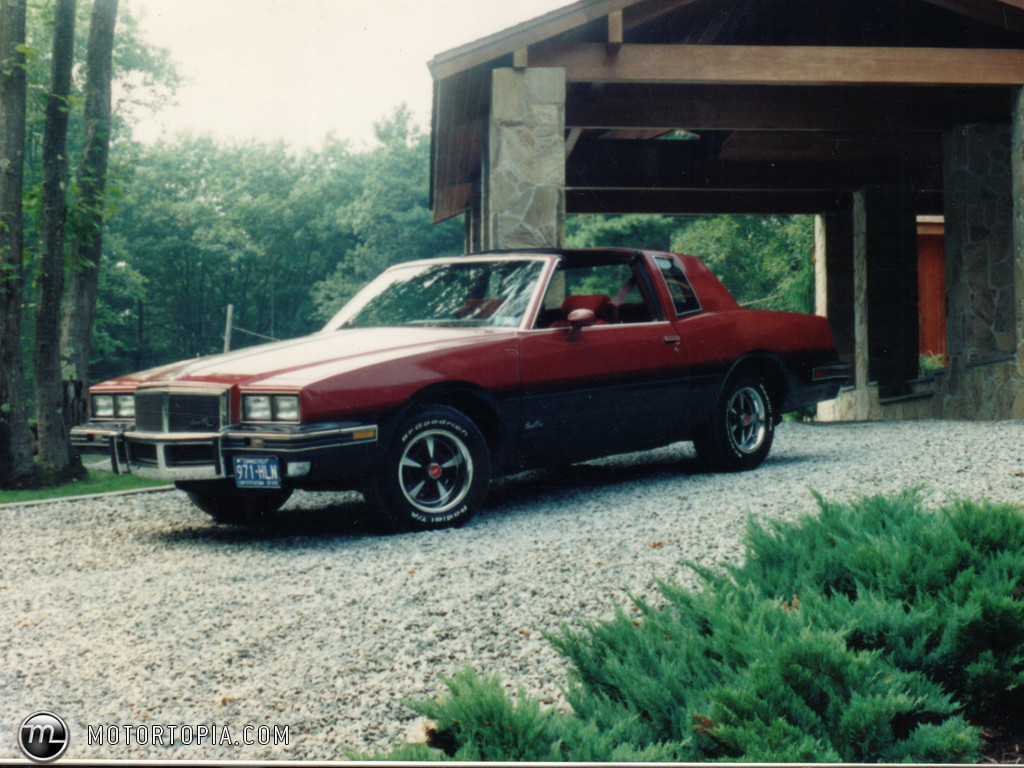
x=578, y=319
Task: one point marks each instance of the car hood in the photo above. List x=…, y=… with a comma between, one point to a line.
x=305, y=360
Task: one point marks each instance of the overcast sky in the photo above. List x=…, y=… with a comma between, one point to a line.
x=298, y=69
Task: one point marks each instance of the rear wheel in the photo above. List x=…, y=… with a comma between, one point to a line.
x=739, y=434
x=225, y=503
x=435, y=471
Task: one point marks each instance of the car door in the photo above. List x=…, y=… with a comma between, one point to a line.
x=611, y=387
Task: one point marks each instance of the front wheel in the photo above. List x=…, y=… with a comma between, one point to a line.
x=435, y=471
x=225, y=503
x=739, y=434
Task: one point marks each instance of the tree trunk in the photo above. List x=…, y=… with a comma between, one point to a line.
x=80, y=302
x=54, y=450
x=16, y=464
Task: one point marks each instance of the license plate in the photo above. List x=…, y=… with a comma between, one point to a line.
x=257, y=472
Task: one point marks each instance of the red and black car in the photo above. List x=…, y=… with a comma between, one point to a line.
x=441, y=373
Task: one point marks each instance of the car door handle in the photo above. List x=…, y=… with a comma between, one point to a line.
x=671, y=339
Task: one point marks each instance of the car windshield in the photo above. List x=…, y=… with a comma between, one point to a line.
x=450, y=293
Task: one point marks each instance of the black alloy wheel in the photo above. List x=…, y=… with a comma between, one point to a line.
x=739, y=434
x=435, y=472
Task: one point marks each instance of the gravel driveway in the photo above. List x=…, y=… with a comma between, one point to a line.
x=136, y=617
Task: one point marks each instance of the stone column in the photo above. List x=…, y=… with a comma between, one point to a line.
x=524, y=170
x=1017, y=184
x=983, y=256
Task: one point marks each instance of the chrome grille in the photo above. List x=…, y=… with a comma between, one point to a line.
x=149, y=411
x=177, y=412
x=193, y=413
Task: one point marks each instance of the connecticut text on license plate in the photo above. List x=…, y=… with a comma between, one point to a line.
x=257, y=472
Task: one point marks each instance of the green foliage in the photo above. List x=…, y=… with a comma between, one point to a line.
x=764, y=261
x=929, y=364
x=938, y=592
x=388, y=219
x=480, y=721
x=145, y=78
x=633, y=231
x=877, y=631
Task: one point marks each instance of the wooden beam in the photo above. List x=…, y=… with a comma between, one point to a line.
x=614, y=33
x=583, y=201
x=616, y=201
x=782, y=65
x=907, y=150
x=789, y=108
x=492, y=47
x=684, y=165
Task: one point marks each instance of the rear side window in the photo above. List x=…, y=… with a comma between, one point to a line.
x=683, y=297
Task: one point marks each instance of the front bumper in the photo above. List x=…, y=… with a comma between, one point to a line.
x=316, y=451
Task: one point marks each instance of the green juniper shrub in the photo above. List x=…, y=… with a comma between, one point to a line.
x=877, y=631
x=478, y=721
x=938, y=591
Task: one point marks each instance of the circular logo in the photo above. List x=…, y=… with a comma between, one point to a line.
x=43, y=737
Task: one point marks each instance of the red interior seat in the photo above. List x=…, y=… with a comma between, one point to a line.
x=598, y=303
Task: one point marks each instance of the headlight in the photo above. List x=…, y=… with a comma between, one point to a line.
x=124, y=406
x=103, y=406
x=256, y=408
x=286, y=408
x=270, y=408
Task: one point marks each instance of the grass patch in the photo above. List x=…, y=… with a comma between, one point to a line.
x=98, y=481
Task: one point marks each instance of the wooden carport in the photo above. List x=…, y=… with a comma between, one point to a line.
x=866, y=113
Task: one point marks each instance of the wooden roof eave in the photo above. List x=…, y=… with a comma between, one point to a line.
x=543, y=28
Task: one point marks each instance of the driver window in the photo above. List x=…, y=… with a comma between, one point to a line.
x=610, y=291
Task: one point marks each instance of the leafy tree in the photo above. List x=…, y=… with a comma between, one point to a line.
x=119, y=342
x=137, y=68
x=91, y=180
x=54, y=451
x=763, y=260
x=204, y=224
x=388, y=220
x=15, y=451
x=630, y=231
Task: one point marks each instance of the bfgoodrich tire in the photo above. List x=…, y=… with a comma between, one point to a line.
x=435, y=472
x=739, y=434
x=225, y=503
